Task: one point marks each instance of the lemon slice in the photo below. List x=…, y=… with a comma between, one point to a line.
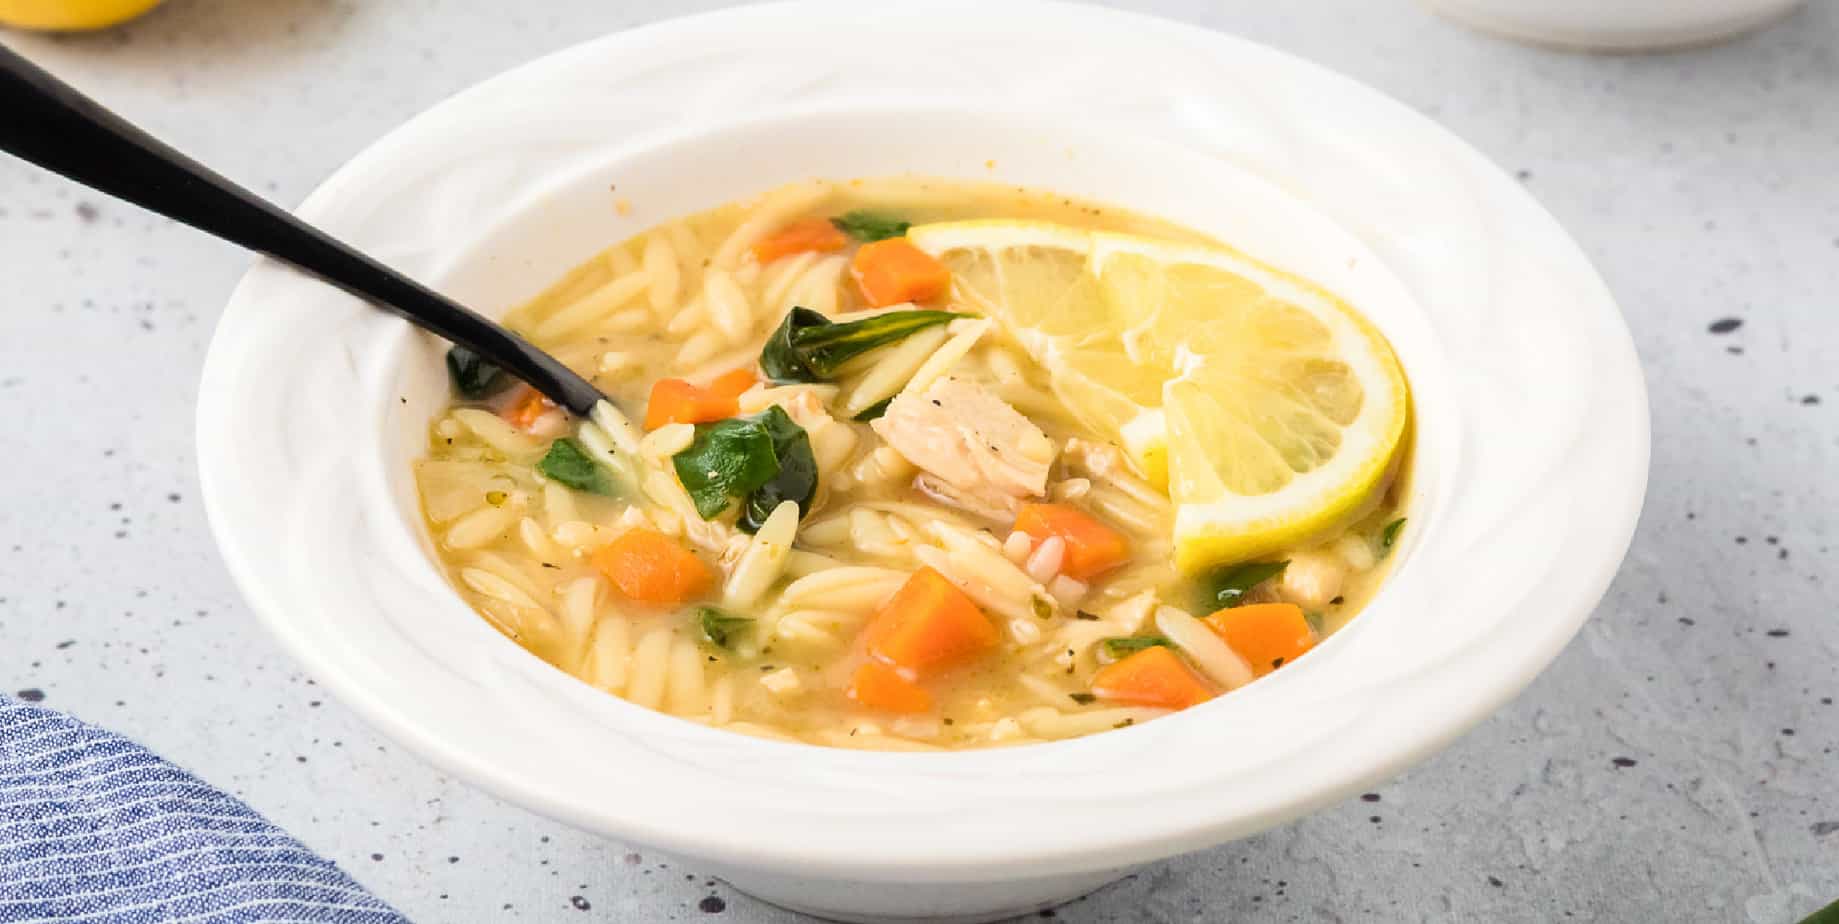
x=1269, y=409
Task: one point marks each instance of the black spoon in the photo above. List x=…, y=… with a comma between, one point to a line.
x=47, y=122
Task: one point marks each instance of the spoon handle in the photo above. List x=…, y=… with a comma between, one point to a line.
x=49, y=123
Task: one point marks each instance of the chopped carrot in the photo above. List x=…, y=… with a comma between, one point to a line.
x=893, y=271
x=678, y=401
x=1152, y=677
x=1266, y=635
x=674, y=401
x=1092, y=548
x=651, y=567
x=812, y=234
x=928, y=623
x=879, y=686
x=733, y=382
x=526, y=408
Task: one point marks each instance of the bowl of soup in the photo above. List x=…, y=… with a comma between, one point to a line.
x=990, y=497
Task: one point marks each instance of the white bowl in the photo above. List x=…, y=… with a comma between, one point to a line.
x=1616, y=25
x=1532, y=443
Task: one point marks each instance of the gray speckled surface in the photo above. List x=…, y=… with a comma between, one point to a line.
x=1675, y=763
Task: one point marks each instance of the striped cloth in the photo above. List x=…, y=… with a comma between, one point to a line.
x=95, y=828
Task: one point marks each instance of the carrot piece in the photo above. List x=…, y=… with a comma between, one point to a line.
x=733, y=382
x=678, y=401
x=879, y=686
x=526, y=408
x=1152, y=677
x=672, y=401
x=798, y=237
x=1092, y=548
x=929, y=623
x=893, y=271
x=1266, y=635
x=650, y=567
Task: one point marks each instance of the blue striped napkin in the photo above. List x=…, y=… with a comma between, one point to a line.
x=96, y=828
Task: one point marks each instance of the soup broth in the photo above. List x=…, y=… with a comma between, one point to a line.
x=851, y=491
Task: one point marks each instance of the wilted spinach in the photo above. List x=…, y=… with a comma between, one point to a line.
x=567, y=463
x=720, y=628
x=808, y=347
x=868, y=227
x=473, y=376
x=759, y=460
x=1229, y=587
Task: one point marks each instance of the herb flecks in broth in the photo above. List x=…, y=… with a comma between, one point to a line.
x=856, y=504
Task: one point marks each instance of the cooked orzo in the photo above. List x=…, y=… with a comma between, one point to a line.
x=911, y=464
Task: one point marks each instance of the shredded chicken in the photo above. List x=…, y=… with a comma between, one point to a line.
x=1103, y=462
x=977, y=452
x=1312, y=580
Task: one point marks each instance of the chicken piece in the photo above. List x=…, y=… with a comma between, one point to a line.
x=1312, y=580
x=979, y=453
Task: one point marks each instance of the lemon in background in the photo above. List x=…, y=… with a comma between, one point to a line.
x=67, y=15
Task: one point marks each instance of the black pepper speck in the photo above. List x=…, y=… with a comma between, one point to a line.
x=1725, y=325
x=579, y=902
x=712, y=904
x=1622, y=761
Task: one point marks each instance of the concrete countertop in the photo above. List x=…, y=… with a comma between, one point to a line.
x=1676, y=763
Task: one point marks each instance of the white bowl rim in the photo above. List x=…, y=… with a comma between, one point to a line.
x=1616, y=481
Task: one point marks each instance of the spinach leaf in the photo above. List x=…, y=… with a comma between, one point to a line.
x=874, y=411
x=727, y=459
x=567, y=463
x=720, y=628
x=1388, y=534
x=867, y=226
x=1129, y=645
x=474, y=377
x=761, y=460
x=826, y=348
x=796, y=480
x=1228, y=587
x=780, y=359
x=808, y=347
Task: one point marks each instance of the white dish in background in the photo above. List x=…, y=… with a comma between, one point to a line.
x=1532, y=442
x=1615, y=25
